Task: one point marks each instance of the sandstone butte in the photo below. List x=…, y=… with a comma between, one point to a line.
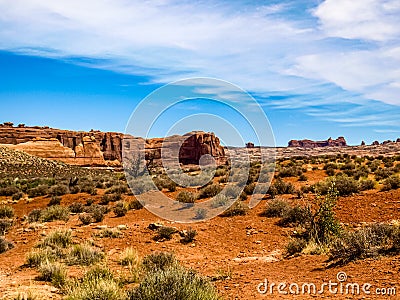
x=339, y=142
x=96, y=148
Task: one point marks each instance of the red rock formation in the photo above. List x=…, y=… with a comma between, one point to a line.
x=339, y=142
x=103, y=148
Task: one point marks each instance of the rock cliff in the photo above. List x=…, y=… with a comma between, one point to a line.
x=339, y=142
x=97, y=148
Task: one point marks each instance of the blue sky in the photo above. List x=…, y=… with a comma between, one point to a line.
x=317, y=68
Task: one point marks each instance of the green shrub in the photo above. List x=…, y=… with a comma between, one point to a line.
x=5, y=225
x=279, y=187
x=296, y=215
x=249, y=189
x=165, y=233
x=35, y=215
x=295, y=245
x=303, y=177
x=185, y=197
x=58, y=190
x=5, y=245
x=117, y=189
x=84, y=254
x=276, y=208
x=391, y=183
x=76, y=208
x=369, y=241
x=89, y=189
x=97, y=284
x=174, y=283
x=219, y=200
x=159, y=261
x=85, y=218
x=40, y=190
x=188, y=236
x=135, y=204
x=55, y=200
x=53, y=272
x=9, y=190
x=17, y=196
x=200, y=214
x=107, y=198
x=6, y=212
x=39, y=256
x=129, y=257
x=120, y=209
x=209, y=191
x=109, y=233
x=367, y=184
x=238, y=208
x=74, y=189
x=56, y=212
x=57, y=238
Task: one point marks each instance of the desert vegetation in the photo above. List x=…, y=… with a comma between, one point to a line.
x=83, y=232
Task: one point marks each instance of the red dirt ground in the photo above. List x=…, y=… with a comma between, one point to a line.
x=223, y=246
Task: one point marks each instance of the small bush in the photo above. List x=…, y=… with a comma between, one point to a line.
x=107, y=198
x=369, y=241
x=35, y=215
x=98, y=213
x=276, y=208
x=58, y=190
x=249, y=189
x=279, y=187
x=296, y=215
x=86, y=218
x=76, y=208
x=57, y=238
x=40, y=190
x=135, y=204
x=188, y=236
x=55, y=200
x=56, y=212
x=295, y=245
x=5, y=225
x=200, y=214
x=98, y=283
x=5, y=245
x=159, y=261
x=185, y=197
x=209, y=191
x=109, y=233
x=174, y=283
x=89, y=189
x=84, y=254
x=165, y=233
x=129, y=257
x=391, y=183
x=39, y=256
x=53, y=272
x=367, y=184
x=238, y=208
x=6, y=212
x=120, y=209
x=219, y=200
x=74, y=189
x=117, y=189
x=17, y=196
x=9, y=190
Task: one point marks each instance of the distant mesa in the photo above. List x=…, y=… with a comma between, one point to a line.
x=339, y=142
x=96, y=148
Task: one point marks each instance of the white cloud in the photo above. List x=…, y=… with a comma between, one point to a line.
x=256, y=47
x=360, y=19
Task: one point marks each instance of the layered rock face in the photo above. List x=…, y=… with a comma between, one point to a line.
x=104, y=148
x=339, y=142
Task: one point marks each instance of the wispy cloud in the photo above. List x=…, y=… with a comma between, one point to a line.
x=338, y=52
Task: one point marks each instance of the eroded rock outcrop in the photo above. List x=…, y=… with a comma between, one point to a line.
x=104, y=148
x=339, y=142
